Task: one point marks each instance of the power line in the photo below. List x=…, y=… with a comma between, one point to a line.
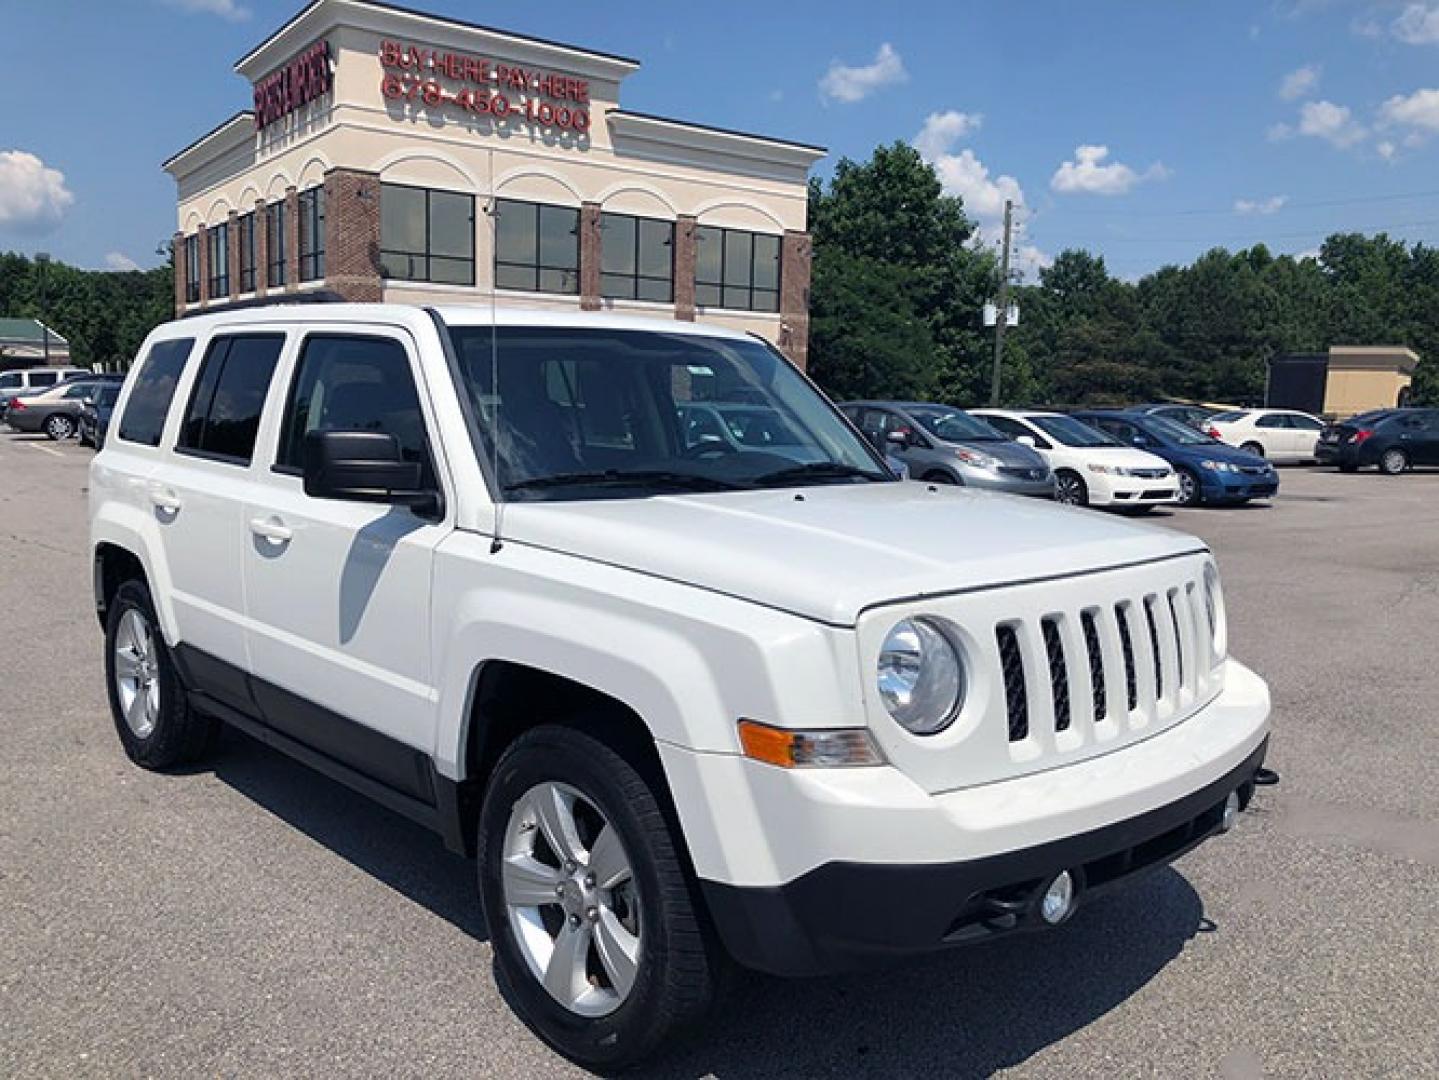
x=1257, y=236
x=1229, y=211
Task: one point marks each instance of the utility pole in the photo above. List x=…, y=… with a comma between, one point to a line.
x=1002, y=316
x=42, y=262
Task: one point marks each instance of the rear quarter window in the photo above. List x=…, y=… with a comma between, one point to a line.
x=154, y=390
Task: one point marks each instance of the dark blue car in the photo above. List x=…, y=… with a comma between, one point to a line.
x=1208, y=471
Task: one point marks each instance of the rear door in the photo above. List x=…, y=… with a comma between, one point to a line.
x=198, y=492
x=1304, y=431
x=339, y=592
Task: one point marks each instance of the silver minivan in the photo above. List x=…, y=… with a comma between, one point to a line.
x=946, y=445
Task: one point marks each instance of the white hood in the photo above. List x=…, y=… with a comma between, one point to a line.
x=841, y=548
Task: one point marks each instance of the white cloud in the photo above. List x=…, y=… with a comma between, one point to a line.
x=1271, y=205
x=1417, y=24
x=118, y=260
x=1386, y=150
x=942, y=130
x=226, y=9
x=1089, y=174
x=850, y=84
x=1300, y=82
x=1333, y=123
x=1418, y=110
x=33, y=196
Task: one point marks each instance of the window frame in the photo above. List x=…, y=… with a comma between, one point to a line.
x=276, y=245
x=197, y=381
x=637, y=221
x=537, y=266
x=296, y=369
x=312, y=234
x=192, y=268
x=217, y=237
x=428, y=253
x=245, y=238
x=750, y=289
x=188, y=344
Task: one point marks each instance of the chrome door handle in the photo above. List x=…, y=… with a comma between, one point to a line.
x=162, y=499
x=271, y=529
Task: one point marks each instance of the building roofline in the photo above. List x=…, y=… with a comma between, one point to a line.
x=444, y=20
x=243, y=114
x=711, y=129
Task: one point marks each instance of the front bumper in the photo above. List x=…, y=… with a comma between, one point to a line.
x=1231, y=487
x=843, y=916
x=988, y=480
x=1107, y=490
x=813, y=870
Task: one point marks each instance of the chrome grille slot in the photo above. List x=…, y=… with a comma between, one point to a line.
x=1181, y=640
x=1058, y=672
x=1131, y=677
x=1150, y=602
x=1016, y=696
x=1096, y=664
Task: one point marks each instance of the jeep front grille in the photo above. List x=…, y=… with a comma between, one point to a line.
x=1148, y=645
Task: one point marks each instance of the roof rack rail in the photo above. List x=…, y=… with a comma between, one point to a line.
x=310, y=296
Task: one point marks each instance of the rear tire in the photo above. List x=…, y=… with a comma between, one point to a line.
x=1070, y=488
x=1257, y=449
x=1393, y=462
x=153, y=718
x=59, y=427
x=668, y=961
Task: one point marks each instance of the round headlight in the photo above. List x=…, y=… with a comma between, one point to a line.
x=1214, y=609
x=920, y=677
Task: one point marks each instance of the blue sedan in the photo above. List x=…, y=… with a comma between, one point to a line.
x=1208, y=471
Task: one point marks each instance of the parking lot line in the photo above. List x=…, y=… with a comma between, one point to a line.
x=45, y=449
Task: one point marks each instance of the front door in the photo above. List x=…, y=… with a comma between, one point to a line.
x=338, y=592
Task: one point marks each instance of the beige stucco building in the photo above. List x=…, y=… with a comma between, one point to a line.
x=394, y=155
x=1364, y=377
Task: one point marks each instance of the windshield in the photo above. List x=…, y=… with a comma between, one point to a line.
x=952, y=425
x=1072, y=432
x=585, y=413
x=1175, y=432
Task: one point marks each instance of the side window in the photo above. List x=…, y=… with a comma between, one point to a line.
x=79, y=390
x=1118, y=428
x=352, y=383
x=44, y=378
x=229, y=396
x=1014, y=429
x=1304, y=423
x=154, y=389
x=1273, y=420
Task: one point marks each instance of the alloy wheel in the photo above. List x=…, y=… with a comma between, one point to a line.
x=137, y=673
x=1188, y=488
x=572, y=900
x=59, y=427
x=1069, y=490
x=1393, y=462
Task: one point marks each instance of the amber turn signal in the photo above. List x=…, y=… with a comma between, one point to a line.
x=789, y=749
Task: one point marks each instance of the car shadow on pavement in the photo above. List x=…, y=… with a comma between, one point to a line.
x=965, y=1013
x=392, y=849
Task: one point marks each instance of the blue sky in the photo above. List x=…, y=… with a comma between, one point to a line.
x=1145, y=131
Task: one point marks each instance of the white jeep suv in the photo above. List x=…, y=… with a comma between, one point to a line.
x=684, y=701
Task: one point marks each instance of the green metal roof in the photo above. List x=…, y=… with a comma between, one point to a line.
x=27, y=330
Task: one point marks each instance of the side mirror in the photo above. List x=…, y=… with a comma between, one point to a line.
x=1026, y=440
x=363, y=466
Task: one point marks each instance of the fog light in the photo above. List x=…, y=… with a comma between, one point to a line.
x=1058, y=899
x=1231, y=812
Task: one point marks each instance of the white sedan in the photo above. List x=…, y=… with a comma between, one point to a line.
x=1281, y=435
x=1090, y=467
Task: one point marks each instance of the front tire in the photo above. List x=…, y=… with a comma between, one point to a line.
x=1070, y=489
x=59, y=427
x=153, y=718
x=1189, y=491
x=1393, y=462
x=597, y=941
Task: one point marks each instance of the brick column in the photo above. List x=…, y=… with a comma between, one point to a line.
x=794, y=269
x=177, y=247
x=233, y=253
x=262, y=249
x=686, y=252
x=590, y=256
x=352, y=235
x=203, y=244
x=292, y=239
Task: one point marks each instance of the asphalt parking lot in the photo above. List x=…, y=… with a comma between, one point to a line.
x=251, y=918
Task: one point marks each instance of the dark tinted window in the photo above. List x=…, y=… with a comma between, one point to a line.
x=1273, y=420
x=346, y=383
x=44, y=378
x=537, y=247
x=229, y=395
x=1304, y=423
x=636, y=258
x=153, y=391
x=427, y=235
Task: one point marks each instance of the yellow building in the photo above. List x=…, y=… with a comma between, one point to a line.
x=393, y=155
x=1345, y=381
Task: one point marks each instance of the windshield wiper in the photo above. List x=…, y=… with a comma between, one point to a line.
x=817, y=470
x=683, y=481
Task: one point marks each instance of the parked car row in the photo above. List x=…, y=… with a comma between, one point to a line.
x=55, y=407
